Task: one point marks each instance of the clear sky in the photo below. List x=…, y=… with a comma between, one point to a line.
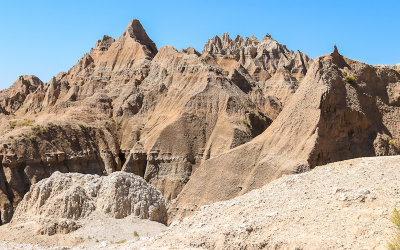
x=46, y=37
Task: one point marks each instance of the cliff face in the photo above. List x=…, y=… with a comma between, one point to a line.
x=166, y=114
x=127, y=106
x=266, y=69
x=343, y=109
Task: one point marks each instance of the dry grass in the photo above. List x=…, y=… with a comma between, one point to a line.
x=395, y=219
x=351, y=79
x=24, y=123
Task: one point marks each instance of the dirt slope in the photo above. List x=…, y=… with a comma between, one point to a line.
x=328, y=119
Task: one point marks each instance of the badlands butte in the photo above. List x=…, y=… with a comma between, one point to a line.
x=138, y=146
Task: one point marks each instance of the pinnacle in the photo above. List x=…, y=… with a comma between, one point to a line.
x=136, y=31
x=335, y=50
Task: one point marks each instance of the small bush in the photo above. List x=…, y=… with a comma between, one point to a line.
x=135, y=234
x=392, y=142
x=395, y=219
x=39, y=129
x=36, y=129
x=13, y=124
x=247, y=124
x=81, y=126
x=120, y=242
x=116, y=124
x=351, y=79
x=25, y=123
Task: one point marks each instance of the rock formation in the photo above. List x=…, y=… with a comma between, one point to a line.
x=60, y=201
x=215, y=124
x=266, y=68
x=126, y=105
x=343, y=109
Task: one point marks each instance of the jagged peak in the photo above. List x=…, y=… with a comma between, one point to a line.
x=136, y=31
x=239, y=38
x=190, y=50
x=335, y=50
x=267, y=37
x=226, y=37
x=105, y=43
x=24, y=83
x=253, y=38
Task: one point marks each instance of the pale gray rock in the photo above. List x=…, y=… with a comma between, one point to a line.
x=61, y=200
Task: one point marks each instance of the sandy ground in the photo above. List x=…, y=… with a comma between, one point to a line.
x=98, y=232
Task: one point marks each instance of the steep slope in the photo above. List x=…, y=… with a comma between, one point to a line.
x=266, y=69
x=124, y=105
x=328, y=119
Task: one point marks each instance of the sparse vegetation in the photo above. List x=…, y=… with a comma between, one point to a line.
x=24, y=123
x=395, y=219
x=13, y=124
x=120, y=242
x=397, y=70
x=394, y=144
x=351, y=79
x=247, y=123
x=135, y=234
x=262, y=117
x=116, y=124
x=81, y=126
x=39, y=129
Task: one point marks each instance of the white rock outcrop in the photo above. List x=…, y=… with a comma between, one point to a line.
x=65, y=198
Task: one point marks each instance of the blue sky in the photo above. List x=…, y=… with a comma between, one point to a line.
x=46, y=37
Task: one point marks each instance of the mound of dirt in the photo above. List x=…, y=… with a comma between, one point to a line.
x=59, y=203
x=343, y=205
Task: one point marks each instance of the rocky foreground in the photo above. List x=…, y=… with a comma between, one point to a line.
x=343, y=205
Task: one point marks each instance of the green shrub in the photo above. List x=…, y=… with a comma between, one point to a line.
x=135, y=234
x=247, y=124
x=116, y=124
x=395, y=219
x=81, y=126
x=13, y=124
x=351, y=79
x=120, y=242
x=36, y=129
x=25, y=123
x=39, y=129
